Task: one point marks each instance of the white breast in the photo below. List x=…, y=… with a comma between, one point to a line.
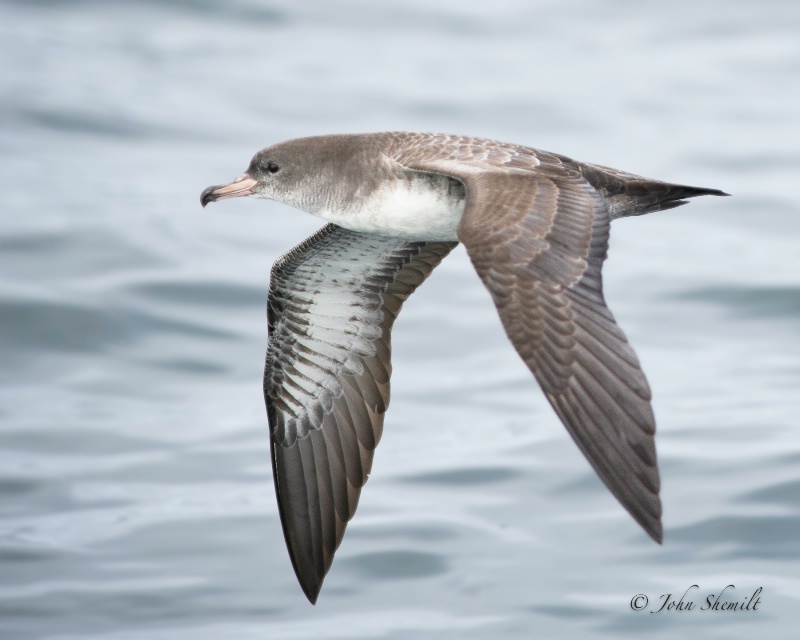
x=414, y=207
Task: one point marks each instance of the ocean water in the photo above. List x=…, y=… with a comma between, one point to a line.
x=136, y=497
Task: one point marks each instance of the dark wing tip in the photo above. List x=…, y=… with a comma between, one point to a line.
x=311, y=586
x=652, y=526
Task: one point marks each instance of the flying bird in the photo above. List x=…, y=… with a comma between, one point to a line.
x=535, y=226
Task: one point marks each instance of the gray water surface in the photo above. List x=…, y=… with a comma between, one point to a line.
x=136, y=498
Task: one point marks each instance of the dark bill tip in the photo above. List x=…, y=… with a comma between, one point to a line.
x=208, y=195
x=242, y=186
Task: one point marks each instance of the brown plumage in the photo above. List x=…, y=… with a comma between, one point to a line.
x=535, y=226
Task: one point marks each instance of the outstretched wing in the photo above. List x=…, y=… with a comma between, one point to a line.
x=332, y=302
x=537, y=233
x=542, y=267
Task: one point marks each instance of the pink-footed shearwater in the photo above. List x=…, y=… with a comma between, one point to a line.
x=535, y=226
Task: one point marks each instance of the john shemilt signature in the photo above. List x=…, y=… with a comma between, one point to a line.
x=713, y=601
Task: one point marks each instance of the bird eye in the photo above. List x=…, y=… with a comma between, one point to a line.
x=272, y=167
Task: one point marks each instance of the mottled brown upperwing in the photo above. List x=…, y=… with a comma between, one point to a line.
x=537, y=233
x=542, y=265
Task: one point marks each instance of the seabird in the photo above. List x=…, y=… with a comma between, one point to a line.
x=535, y=226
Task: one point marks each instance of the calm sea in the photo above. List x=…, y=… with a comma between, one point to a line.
x=136, y=498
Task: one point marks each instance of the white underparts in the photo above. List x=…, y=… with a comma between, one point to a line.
x=417, y=206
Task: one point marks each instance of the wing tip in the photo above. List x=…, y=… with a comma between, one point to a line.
x=656, y=531
x=647, y=519
x=311, y=588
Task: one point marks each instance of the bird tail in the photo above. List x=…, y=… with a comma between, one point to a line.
x=650, y=196
x=630, y=195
